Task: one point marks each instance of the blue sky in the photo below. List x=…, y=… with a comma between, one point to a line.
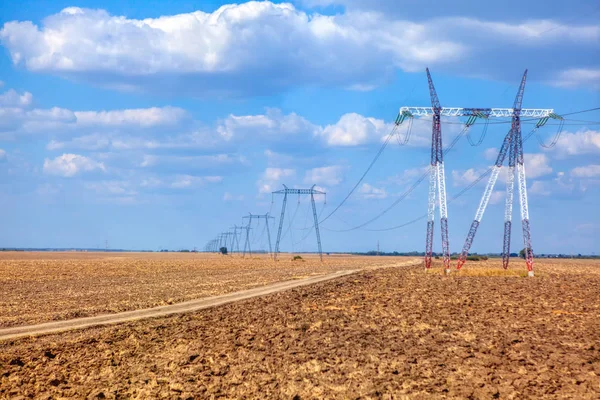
x=155, y=124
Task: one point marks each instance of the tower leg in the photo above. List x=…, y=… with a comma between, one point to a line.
x=430, y=216
x=247, y=242
x=314, y=208
x=280, y=226
x=443, y=217
x=269, y=235
x=524, y=206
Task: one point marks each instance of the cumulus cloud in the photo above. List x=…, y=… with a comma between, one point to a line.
x=190, y=181
x=2, y=155
x=273, y=125
x=539, y=188
x=143, y=117
x=331, y=175
x=272, y=178
x=18, y=119
x=259, y=47
x=69, y=165
x=464, y=178
x=589, y=171
x=584, y=141
x=118, y=188
x=566, y=185
x=578, y=77
x=13, y=99
x=234, y=44
x=408, y=175
x=206, y=161
x=537, y=165
x=354, y=129
x=370, y=192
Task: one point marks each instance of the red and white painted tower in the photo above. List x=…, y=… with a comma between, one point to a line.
x=437, y=180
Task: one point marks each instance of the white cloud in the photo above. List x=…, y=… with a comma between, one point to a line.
x=94, y=141
x=408, y=175
x=62, y=121
x=190, y=161
x=190, y=181
x=370, y=192
x=539, y=188
x=143, y=117
x=585, y=141
x=354, y=129
x=491, y=154
x=273, y=177
x=117, y=188
x=464, y=178
x=272, y=125
x=331, y=175
x=497, y=197
x=564, y=185
x=578, y=77
x=2, y=155
x=69, y=165
x=12, y=99
x=261, y=46
x=232, y=43
x=590, y=171
x=536, y=165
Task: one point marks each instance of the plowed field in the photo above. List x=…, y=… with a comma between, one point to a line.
x=389, y=333
x=42, y=287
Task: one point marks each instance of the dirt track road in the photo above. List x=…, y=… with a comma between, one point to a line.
x=193, y=305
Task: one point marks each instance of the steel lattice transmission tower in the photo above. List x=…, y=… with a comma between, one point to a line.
x=513, y=146
x=258, y=217
x=437, y=180
x=312, y=191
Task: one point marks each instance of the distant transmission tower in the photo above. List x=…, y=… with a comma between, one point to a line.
x=299, y=192
x=258, y=217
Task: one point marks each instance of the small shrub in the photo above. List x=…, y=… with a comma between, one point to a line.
x=473, y=258
x=297, y=258
x=484, y=258
x=437, y=257
x=223, y=250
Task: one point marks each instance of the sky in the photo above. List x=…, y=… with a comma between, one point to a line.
x=150, y=125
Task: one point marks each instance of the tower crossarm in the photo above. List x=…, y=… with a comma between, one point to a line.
x=298, y=191
x=287, y=190
x=478, y=112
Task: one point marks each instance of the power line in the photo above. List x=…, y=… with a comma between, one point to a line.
x=453, y=198
x=407, y=193
x=383, y=146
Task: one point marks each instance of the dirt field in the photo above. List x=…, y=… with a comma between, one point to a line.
x=389, y=333
x=41, y=287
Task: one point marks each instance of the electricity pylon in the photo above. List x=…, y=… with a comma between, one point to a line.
x=437, y=180
x=266, y=217
x=235, y=242
x=513, y=146
x=312, y=191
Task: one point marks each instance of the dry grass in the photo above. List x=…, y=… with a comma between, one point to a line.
x=40, y=287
